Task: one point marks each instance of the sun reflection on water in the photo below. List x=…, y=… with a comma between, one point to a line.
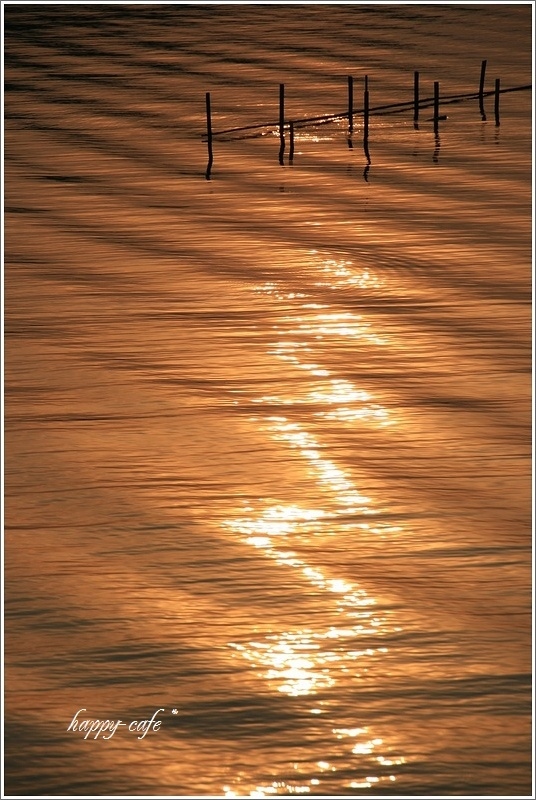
x=301, y=662
x=334, y=398
x=310, y=661
x=339, y=273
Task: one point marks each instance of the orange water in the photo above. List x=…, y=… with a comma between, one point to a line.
x=268, y=434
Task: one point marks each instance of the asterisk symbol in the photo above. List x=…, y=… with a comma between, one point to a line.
x=175, y=711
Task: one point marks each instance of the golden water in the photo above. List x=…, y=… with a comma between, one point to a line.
x=267, y=435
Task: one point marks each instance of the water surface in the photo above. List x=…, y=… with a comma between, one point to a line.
x=268, y=434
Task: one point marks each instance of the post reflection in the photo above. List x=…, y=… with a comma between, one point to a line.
x=437, y=148
x=348, y=630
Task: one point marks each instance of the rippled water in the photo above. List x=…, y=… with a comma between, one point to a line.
x=268, y=434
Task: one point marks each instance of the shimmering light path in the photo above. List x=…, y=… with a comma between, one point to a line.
x=311, y=661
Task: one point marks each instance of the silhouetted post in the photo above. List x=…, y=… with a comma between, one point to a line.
x=482, y=78
x=366, y=110
x=281, y=122
x=291, y=145
x=481, y=90
x=416, y=99
x=436, y=106
x=209, y=137
x=497, y=95
x=366, y=107
x=350, y=104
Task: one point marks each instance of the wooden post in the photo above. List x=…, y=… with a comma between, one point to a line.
x=366, y=107
x=366, y=110
x=482, y=78
x=291, y=145
x=209, y=137
x=497, y=95
x=481, y=90
x=436, y=106
x=416, y=99
x=281, y=109
x=350, y=104
x=281, y=122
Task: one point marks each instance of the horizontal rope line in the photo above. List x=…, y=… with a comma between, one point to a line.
x=391, y=108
